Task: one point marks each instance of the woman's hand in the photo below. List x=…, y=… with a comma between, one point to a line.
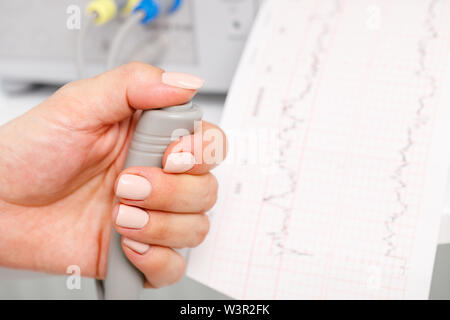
x=60, y=168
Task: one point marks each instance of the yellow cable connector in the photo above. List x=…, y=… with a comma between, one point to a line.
x=131, y=4
x=105, y=10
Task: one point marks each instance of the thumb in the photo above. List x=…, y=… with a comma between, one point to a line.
x=115, y=95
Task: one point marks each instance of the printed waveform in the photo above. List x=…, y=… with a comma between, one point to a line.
x=287, y=136
x=419, y=121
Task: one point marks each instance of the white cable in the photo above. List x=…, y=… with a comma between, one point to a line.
x=154, y=48
x=121, y=34
x=80, y=59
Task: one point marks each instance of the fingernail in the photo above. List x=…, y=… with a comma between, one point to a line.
x=133, y=187
x=179, y=162
x=139, y=247
x=131, y=217
x=182, y=80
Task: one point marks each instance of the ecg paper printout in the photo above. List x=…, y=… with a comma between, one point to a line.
x=339, y=136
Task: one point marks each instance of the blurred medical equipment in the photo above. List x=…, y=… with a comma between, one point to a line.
x=54, y=41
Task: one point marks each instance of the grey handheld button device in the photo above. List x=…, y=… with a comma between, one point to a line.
x=155, y=130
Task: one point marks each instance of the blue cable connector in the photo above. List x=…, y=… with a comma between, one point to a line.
x=176, y=5
x=152, y=9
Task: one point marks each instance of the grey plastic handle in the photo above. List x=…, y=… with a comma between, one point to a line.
x=155, y=131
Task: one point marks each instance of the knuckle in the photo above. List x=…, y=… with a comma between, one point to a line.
x=225, y=143
x=179, y=271
x=160, y=229
x=201, y=232
x=136, y=69
x=167, y=268
x=133, y=67
x=159, y=263
x=210, y=196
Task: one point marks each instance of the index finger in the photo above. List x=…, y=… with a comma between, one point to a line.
x=198, y=153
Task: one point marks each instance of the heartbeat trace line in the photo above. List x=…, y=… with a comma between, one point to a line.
x=286, y=141
x=420, y=121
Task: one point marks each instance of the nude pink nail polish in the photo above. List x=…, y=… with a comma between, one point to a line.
x=131, y=217
x=179, y=162
x=133, y=187
x=139, y=247
x=182, y=80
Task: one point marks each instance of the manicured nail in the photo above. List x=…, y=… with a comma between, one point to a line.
x=182, y=80
x=133, y=187
x=139, y=247
x=179, y=162
x=131, y=217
